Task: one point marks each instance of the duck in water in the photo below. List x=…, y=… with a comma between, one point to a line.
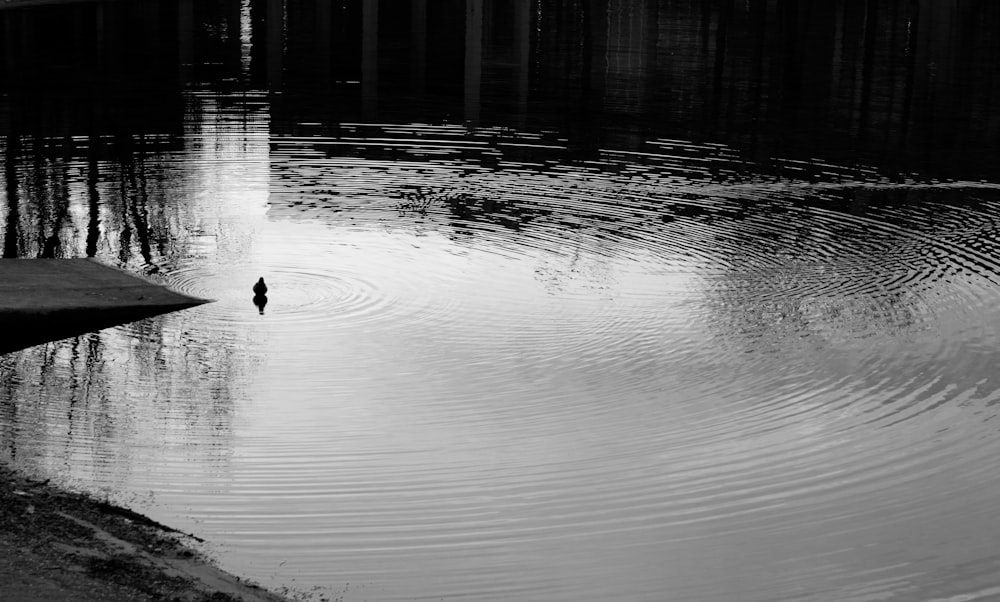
x=260, y=289
x=260, y=295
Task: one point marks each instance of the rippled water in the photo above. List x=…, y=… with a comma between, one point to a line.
x=489, y=369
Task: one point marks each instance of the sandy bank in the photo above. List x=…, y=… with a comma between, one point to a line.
x=48, y=299
x=56, y=545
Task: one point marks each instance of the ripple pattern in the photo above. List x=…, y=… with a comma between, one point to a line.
x=490, y=370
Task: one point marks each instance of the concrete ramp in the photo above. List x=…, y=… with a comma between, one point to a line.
x=49, y=299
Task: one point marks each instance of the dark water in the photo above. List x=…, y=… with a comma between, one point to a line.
x=568, y=301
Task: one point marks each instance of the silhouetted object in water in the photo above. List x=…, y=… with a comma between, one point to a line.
x=260, y=289
x=260, y=301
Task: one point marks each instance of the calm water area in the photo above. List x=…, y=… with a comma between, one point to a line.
x=569, y=300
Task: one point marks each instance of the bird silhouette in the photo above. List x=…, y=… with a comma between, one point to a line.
x=260, y=288
x=260, y=295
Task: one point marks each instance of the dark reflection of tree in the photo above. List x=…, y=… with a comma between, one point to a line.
x=40, y=198
x=138, y=213
x=125, y=183
x=42, y=190
x=93, y=201
x=73, y=391
x=109, y=395
x=91, y=98
x=9, y=382
x=53, y=219
x=125, y=230
x=12, y=231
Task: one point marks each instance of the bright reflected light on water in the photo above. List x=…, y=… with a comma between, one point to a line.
x=626, y=301
x=483, y=374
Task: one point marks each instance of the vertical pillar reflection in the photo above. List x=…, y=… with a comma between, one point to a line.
x=324, y=18
x=369, y=58
x=10, y=48
x=473, y=59
x=718, y=70
x=868, y=64
x=522, y=47
x=275, y=43
x=185, y=35
x=758, y=28
x=246, y=38
x=418, y=46
x=255, y=51
x=100, y=18
x=913, y=26
x=151, y=43
x=234, y=39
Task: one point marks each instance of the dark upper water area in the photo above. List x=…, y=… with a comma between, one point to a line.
x=566, y=300
x=906, y=85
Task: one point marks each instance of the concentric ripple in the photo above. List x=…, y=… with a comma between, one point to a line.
x=489, y=369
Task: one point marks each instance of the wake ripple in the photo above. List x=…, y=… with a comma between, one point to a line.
x=492, y=367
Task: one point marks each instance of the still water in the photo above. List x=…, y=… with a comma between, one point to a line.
x=500, y=361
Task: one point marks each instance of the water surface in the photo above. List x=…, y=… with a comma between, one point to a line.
x=498, y=362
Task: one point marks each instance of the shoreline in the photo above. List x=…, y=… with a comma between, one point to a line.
x=60, y=545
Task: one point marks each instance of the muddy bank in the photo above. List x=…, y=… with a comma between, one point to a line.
x=56, y=545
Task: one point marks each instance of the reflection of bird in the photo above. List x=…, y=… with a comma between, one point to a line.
x=260, y=288
x=260, y=301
